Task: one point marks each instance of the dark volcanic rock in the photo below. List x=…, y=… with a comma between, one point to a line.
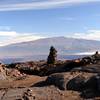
x=92, y=87
x=69, y=80
x=93, y=83
x=81, y=83
x=76, y=83
x=59, y=79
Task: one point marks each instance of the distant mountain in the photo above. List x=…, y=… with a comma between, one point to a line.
x=64, y=46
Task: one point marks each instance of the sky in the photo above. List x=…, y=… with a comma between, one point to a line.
x=27, y=20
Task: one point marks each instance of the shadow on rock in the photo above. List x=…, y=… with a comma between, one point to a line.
x=59, y=80
x=76, y=84
x=88, y=88
x=90, y=93
x=40, y=84
x=92, y=87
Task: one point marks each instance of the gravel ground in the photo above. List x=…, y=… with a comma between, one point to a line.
x=40, y=93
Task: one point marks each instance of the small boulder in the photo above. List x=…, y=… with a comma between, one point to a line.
x=29, y=95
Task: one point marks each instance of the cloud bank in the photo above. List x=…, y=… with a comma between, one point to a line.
x=43, y=4
x=89, y=35
x=11, y=37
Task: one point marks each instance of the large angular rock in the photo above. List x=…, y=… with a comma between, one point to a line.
x=69, y=80
x=92, y=87
x=59, y=79
x=81, y=83
x=76, y=83
x=93, y=83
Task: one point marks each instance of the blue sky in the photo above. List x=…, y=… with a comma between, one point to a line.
x=25, y=20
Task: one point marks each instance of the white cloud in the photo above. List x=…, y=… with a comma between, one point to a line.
x=89, y=35
x=12, y=37
x=86, y=53
x=42, y=4
x=8, y=33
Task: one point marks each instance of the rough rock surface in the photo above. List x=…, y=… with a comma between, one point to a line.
x=66, y=80
x=2, y=72
x=72, y=79
x=39, y=93
x=76, y=83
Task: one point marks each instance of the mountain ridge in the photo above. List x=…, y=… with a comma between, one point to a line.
x=64, y=46
x=50, y=38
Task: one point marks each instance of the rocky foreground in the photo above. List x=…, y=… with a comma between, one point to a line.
x=66, y=80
